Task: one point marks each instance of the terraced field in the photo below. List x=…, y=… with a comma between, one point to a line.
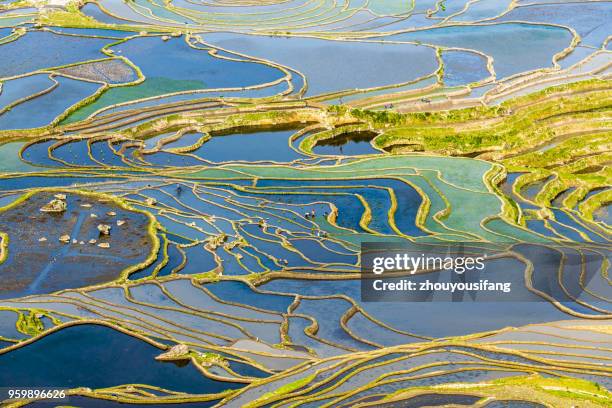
x=185, y=188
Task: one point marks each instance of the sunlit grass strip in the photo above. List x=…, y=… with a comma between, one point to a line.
x=4, y=243
x=557, y=392
x=501, y=364
x=14, y=36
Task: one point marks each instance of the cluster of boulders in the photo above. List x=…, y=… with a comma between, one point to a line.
x=59, y=205
x=66, y=240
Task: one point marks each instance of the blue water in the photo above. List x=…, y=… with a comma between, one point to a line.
x=99, y=32
x=198, y=260
x=79, y=401
x=15, y=89
x=462, y=68
x=252, y=93
x=338, y=65
x=483, y=9
x=558, y=200
x=151, y=142
x=247, y=370
x=564, y=218
x=185, y=140
x=42, y=110
x=92, y=10
x=97, y=356
x=38, y=153
x=249, y=147
x=24, y=182
x=174, y=260
x=409, y=316
x=182, y=68
x=16, y=21
x=540, y=227
x=161, y=12
x=40, y=49
x=515, y=47
x=148, y=271
x=349, y=210
x=101, y=151
x=531, y=190
x=590, y=19
x=181, y=62
x=239, y=292
x=166, y=159
x=75, y=153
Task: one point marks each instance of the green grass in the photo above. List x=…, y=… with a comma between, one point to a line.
x=285, y=389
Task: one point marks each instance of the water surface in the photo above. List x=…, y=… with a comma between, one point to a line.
x=96, y=357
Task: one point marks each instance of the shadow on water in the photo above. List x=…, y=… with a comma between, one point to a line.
x=348, y=144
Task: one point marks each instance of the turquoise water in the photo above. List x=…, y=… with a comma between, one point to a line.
x=15, y=21
x=248, y=93
x=182, y=68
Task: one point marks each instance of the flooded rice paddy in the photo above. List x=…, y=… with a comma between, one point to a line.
x=185, y=188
